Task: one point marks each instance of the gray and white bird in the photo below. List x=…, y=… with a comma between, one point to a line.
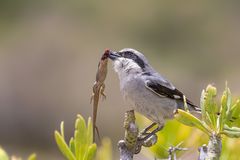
x=148, y=92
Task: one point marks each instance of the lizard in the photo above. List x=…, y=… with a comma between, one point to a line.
x=98, y=88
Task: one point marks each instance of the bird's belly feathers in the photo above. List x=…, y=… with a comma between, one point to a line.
x=146, y=102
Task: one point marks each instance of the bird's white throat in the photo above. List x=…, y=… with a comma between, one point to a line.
x=124, y=66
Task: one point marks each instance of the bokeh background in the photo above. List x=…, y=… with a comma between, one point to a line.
x=49, y=52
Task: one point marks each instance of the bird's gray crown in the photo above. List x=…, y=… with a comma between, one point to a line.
x=135, y=55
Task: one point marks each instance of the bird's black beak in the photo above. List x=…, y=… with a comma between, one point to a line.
x=113, y=55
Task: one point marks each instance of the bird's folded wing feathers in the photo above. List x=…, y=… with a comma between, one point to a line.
x=163, y=88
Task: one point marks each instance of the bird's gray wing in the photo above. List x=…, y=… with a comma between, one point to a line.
x=163, y=88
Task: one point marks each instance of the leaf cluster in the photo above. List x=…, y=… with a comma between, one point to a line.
x=218, y=119
x=81, y=146
x=4, y=156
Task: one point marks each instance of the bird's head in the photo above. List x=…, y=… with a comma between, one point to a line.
x=128, y=61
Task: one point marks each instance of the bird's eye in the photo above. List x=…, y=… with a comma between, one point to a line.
x=121, y=54
x=129, y=55
x=132, y=56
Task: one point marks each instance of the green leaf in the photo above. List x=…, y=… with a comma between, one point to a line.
x=72, y=145
x=77, y=144
x=91, y=152
x=233, y=117
x=62, y=129
x=190, y=120
x=63, y=146
x=234, y=129
x=32, y=157
x=225, y=106
x=3, y=155
x=231, y=134
x=90, y=131
x=211, y=106
x=80, y=137
x=229, y=100
x=202, y=105
x=236, y=109
x=76, y=140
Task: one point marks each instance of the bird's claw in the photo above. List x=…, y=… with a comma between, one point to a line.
x=138, y=148
x=146, y=142
x=148, y=135
x=145, y=130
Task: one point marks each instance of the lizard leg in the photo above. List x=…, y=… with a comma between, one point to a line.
x=96, y=128
x=91, y=99
x=102, y=88
x=95, y=88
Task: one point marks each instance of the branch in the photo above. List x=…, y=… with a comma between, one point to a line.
x=202, y=152
x=213, y=150
x=173, y=149
x=214, y=147
x=132, y=144
x=128, y=145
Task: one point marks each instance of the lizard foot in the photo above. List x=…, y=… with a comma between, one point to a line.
x=103, y=96
x=91, y=99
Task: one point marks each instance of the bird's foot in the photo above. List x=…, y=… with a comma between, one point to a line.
x=147, y=139
x=145, y=135
x=145, y=131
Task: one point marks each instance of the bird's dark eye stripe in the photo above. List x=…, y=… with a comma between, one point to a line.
x=134, y=57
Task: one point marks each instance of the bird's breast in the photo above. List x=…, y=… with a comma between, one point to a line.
x=146, y=102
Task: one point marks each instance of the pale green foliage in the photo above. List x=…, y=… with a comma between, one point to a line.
x=172, y=134
x=32, y=157
x=81, y=146
x=104, y=152
x=3, y=155
x=230, y=148
x=218, y=119
x=188, y=119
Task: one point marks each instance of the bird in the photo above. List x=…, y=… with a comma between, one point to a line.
x=147, y=91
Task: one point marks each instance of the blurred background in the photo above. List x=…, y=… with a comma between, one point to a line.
x=49, y=51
